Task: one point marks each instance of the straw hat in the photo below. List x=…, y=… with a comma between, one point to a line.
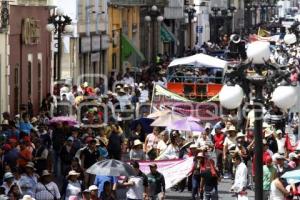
x=46, y=173
x=34, y=119
x=8, y=175
x=240, y=134
x=268, y=133
x=73, y=173
x=27, y=197
x=231, y=128
x=30, y=165
x=137, y=142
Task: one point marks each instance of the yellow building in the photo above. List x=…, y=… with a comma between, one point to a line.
x=124, y=30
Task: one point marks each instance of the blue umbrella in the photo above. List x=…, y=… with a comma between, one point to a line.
x=294, y=174
x=144, y=122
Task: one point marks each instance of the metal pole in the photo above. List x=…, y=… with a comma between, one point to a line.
x=258, y=142
x=153, y=42
x=59, y=51
x=190, y=21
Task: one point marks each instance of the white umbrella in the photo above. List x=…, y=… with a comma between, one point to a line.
x=158, y=113
x=166, y=120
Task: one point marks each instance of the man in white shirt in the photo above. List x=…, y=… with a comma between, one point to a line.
x=144, y=93
x=241, y=173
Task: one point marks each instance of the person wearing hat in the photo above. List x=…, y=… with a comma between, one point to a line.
x=241, y=176
x=241, y=147
x=46, y=189
x=89, y=156
x=86, y=194
x=102, y=147
x=281, y=142
x=136, y=152
x=123, y=99
x=66, y=155
x=227, y=157
x=40, y=157
x=280, y=165
x=144, y=93
x=272, y=143
x=156, y=180
x=8, y=182
x=28, y=180
x=93, y=192
x=293, y=160
x=269, y=174
x=73, y=187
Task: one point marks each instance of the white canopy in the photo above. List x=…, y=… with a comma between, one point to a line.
x=200, y=60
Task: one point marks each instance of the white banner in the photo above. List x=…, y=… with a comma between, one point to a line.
x=173, y=170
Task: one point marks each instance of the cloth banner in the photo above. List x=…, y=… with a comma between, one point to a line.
x=161, y=91
x=174, y=171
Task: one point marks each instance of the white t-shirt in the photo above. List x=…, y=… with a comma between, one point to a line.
x=136, y=191
x=281, y=145
x=161, y=146
x=229, y=141
x=73, y=189
x=171, y=152
x=275, y=193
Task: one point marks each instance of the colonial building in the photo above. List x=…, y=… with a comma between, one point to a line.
x=25, y=55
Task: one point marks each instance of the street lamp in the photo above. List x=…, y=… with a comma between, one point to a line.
x=59, y=23
x=230, y=14
x=154, y=16
x=266, y=78
x=190, y=14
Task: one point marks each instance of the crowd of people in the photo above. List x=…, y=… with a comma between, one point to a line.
x=48, y=161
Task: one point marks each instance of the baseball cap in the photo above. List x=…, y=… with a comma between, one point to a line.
x=153, y=165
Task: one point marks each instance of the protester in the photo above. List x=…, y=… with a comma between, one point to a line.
x=46, y=189
x=156, y=183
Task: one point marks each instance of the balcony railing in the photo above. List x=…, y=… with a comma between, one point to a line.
x=36, y=2
x=139, y=2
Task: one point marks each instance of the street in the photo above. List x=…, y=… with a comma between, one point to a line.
x=224, y=193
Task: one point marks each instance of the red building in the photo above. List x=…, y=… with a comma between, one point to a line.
x=29, y=56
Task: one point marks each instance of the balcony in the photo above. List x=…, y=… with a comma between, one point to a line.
x=36, y=2
x=139, y=2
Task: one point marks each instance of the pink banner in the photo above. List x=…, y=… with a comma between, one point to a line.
x=173, y=170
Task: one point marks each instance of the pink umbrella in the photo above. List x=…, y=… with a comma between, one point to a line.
x=71, y=121
x=186, y=125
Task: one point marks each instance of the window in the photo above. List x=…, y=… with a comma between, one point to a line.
x=114, y=61
x=40, y=95
x=17, y=89
x=29, y=78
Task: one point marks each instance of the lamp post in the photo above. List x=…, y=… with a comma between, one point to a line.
x=154, y=16
x=215, y=12
x=266, y=78
x=59, y=23
x=190, y=14
x=231, y=10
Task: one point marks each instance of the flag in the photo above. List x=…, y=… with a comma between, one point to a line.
x=263, y=32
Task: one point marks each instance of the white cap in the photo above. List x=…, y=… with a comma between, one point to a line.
x=293, y=155
x=93, y=187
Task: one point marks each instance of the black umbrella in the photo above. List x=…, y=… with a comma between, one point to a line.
x=111, y=167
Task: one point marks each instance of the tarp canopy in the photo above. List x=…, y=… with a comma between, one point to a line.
x=200, y=60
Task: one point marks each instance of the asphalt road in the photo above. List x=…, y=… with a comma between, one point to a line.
x=224, y=193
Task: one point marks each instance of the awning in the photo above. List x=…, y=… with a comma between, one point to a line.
x=166, y=35
x=128, y=48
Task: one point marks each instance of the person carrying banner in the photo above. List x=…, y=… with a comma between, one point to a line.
x=156, y=182
x=209, y=177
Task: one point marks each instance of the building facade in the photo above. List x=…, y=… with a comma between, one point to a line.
x=26, y=58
